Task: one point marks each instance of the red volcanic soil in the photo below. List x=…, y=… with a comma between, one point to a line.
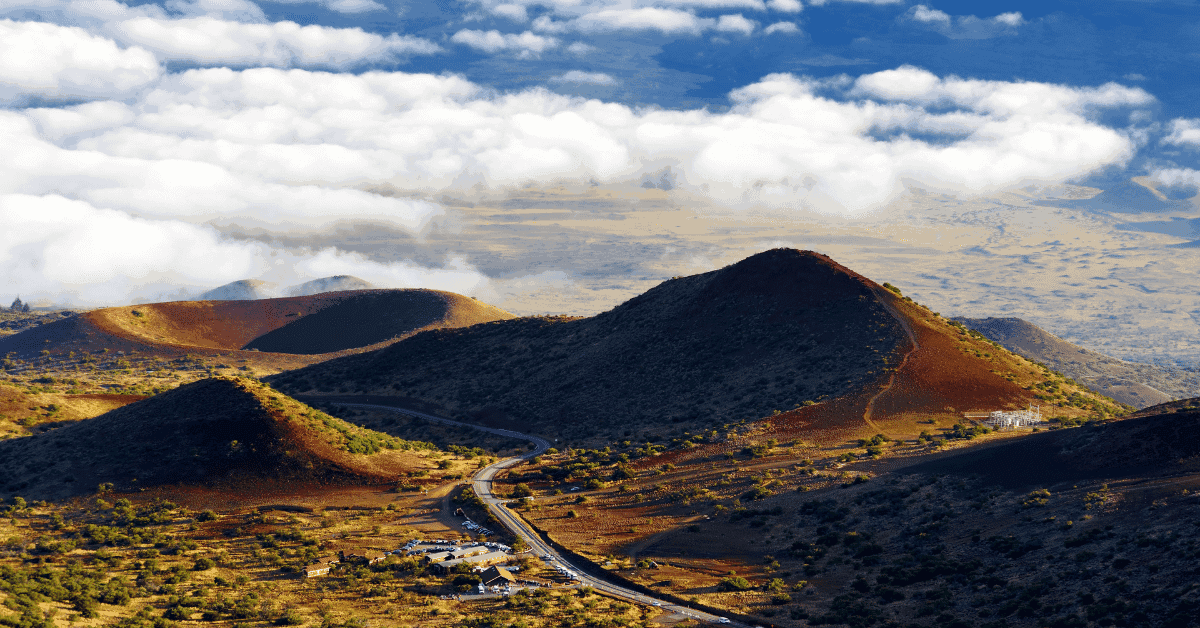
x=110, y=397
x=938, y=376
x=765, y=334
x=328, y=323
x=762, y=337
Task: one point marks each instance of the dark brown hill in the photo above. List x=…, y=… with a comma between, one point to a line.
x=767, y=334
x=1145, y=445
x=369, y=317
x=299, y=326
x=1139, y=385
x=219, y=430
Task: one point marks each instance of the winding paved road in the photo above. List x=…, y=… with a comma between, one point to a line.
x=482, y=484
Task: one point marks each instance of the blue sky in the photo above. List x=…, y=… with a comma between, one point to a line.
x=138, y=133
x=1153, y=44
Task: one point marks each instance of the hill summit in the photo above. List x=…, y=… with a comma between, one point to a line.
x=783, y=332
x=300, y=326
x=220, y=429
x=241, y=290
x=769, y=333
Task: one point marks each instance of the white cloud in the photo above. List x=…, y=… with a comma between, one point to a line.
x=785, y=6
x=288, y=150
x=819, y=3
x=495, y=41
x=586, y=78
x=1184, y=132
x=1013, y=19
x=205, y=40
x=53, y=62
x=755, y=5
x=1177, y=182
x=514, y=12
x=426, y=132
x=342, y=6
x=458, y=275
x=172, y=176
x=70, y=251
x=60, y=123
x=580, y=48
x=1134, y=76
x=547, y=24
x=224, y=9
x=53, y=244
x=927, y=15
x=736, y=24
x=226, y=32
x=964, y=26
x=782, y=27
x=666, y=21
x=93, y=13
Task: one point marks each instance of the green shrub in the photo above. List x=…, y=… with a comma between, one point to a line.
x=1040, y=497
x=734, y=583
x=758, y=492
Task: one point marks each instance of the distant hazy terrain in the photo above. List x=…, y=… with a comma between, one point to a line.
x=1139, y=385
x=1114, y=274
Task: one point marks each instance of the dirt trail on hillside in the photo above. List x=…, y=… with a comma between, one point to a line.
x=884, y=300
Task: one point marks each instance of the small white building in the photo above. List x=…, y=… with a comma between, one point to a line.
x=1002, y=419
x=480, y=560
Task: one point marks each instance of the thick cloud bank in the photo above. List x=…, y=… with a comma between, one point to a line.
x=842, y=145
x=91, y=37
x=67, y=63
x=114, y=199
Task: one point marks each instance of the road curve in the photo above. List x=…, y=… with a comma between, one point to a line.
x=481, y=482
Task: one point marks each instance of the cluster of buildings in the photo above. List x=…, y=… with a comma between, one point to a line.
x=444, y=558
x=440, y=555
x=326, y=564
x=1001, y=419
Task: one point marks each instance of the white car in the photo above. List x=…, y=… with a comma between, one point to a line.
x=722, y=620
x=656, y=603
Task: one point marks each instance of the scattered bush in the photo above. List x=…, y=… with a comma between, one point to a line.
x=734, y=583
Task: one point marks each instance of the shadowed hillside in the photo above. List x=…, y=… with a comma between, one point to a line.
x=1139, y=385
x=214, y=430
x=1153, y=442
x=768, y=335
x=301, y=326
x=366, y=318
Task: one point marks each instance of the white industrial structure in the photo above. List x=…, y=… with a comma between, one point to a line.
x=1001, y=419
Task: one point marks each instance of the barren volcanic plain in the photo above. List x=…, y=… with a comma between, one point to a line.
x=782, y=441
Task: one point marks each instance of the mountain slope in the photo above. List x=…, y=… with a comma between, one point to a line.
x=370, y=317
x=214, y=430
x=767, y=334
x=336, y=283
x=1150, y=443
x=243, y=290
x=302, y=326
x=1139, y=385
